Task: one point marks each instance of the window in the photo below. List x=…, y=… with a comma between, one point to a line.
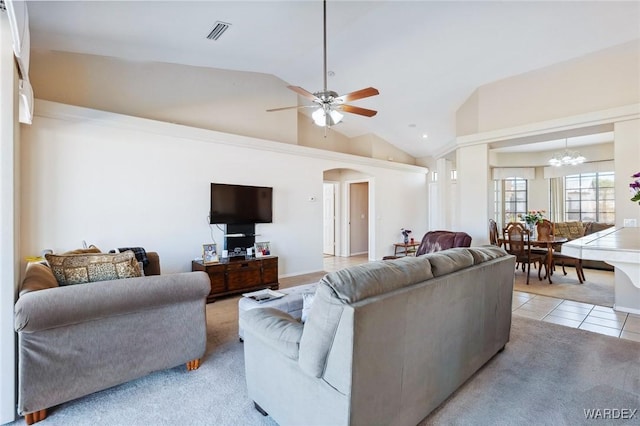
x=510, y=199
x=589, y=197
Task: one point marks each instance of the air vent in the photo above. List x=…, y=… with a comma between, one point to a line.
x=218, y=30
x=2, y=6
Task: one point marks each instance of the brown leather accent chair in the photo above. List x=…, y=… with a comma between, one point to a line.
x=434, y=241
x=441, y=240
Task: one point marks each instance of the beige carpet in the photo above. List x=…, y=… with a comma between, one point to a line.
x=547, y=375
x=596, y=290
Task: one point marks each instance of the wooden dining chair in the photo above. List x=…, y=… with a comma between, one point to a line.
x=516, y=242
x=545, y=229
x=493, y=233
x=563, y=260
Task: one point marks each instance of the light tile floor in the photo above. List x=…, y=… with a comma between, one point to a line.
x=598, y=319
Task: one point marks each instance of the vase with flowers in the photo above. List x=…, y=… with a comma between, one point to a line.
x=532, y=218
x=634, y=186
x=405, y=234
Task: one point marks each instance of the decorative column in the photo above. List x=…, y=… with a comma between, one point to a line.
x=472, y=163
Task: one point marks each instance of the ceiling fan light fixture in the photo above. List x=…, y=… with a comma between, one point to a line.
x=327, y=118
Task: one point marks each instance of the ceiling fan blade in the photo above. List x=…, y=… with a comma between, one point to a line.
x=292, y=107
x=358, y=94
x=305, y=94
x=357, y=110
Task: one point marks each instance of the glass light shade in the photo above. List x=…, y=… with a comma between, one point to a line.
x=322, y=119
x=319, y=117
x=567, y=157
x=336, y=116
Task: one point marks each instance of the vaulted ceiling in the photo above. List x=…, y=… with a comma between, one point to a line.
x=425, y=57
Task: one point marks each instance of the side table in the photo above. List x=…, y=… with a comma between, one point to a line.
x=406, y=249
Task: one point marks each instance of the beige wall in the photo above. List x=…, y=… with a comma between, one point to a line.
x=232, y=102
x=227, y=101
x=314, y=136
x=599, y=81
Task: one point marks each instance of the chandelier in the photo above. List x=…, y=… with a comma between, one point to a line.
x=566, y=158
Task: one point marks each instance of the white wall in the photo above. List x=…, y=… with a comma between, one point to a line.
x=627, y=163
x=115, y=180
x=473, y=192
x=9, y=220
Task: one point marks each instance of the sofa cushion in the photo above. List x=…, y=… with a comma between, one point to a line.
x=278, y=329
x=596, y=227
x=91, y=267
x=38, y=276
x=374, y=278
x=486, y=253
x=569, y=230
x=447, y=261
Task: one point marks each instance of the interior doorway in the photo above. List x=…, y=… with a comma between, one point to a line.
x=348, y=205
x=358, y=218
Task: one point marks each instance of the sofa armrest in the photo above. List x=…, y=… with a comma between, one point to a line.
x=277, y=329
x=153, y=268
x=74, y=304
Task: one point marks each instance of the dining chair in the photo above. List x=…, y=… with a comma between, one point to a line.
x=563, y=259
x=544, y=230
x=493, y=233
x=516, y=242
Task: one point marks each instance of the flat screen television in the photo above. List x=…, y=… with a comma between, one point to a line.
x=240, y=204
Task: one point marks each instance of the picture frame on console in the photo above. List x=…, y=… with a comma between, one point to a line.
x=209, y=254
x=262, y=249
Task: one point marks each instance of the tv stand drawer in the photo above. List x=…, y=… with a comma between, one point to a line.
x=239, y=276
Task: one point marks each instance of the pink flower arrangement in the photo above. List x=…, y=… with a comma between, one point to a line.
x=634, y=186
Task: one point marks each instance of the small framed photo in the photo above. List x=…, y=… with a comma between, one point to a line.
x=209, y=253
x=263, y=249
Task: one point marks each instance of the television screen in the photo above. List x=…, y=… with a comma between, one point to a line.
x=239, y=204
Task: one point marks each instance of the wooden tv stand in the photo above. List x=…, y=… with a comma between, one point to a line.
x=239, y=276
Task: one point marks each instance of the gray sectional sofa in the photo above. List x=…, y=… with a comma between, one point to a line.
x=385, y=342
x=77, y=339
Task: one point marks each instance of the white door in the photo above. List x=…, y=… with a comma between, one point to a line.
x=329, y=219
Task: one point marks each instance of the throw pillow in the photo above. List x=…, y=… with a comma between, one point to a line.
x=37, y=277
x=91, y=267
x=570, y=230
x=307, y=303
x=90, y=249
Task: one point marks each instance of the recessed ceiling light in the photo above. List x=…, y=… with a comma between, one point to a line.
x=425, y=136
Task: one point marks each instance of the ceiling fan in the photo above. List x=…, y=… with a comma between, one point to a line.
x=329, y=103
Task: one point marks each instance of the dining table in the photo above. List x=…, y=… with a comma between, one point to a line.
x=550, y=242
